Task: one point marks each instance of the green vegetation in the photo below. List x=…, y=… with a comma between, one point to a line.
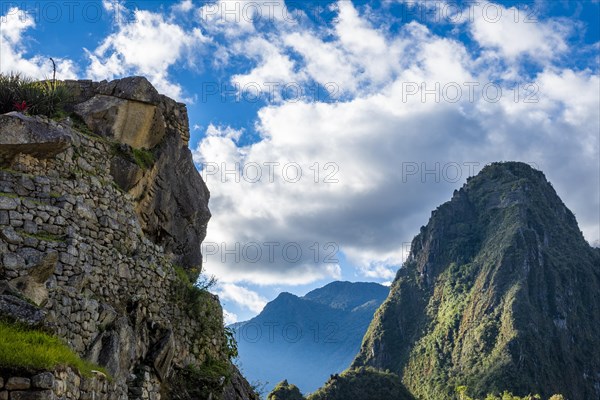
x=194, y=287
x=285, y=391
x=143, y=158
x=258, y=387
x=364, y=383
x=18, y=93
x=196, y=299
x=231, y=347
x=44, y=236
x=480, y=301
x=24, y=348
x=188, y=294
x=200, y=383
x=461, y=392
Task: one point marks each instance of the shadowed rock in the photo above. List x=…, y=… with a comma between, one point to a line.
x=162, y=354
x=15, y=309
x=29, y=135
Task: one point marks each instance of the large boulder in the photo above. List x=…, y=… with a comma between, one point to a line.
x=136, y=88
x=13, y=308
x=21, y=134
x=137, y=124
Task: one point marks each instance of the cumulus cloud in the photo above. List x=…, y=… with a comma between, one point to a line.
x=273, y=66
x=184, y=6
x=15, y=52
x=514, y=32
x=148, y=45
x=409, y=132
x=241, y=296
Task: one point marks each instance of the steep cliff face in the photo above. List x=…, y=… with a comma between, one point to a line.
x=101, y=220
x=500, y=291
x=170, y=198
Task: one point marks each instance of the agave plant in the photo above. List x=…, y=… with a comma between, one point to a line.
x=18, y=93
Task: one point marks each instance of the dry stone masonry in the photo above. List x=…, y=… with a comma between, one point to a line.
x=99, y=217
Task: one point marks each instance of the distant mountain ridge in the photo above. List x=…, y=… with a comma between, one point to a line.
x=306, y=339
x=500, y=292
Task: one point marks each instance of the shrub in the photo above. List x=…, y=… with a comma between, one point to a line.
x=231, y=347
x=195, y=298
x=25, y=348
x=143, y=158
x=18, y=93
x=200, y=383
x=285, y=391
x=363, y=383
x=462, y=395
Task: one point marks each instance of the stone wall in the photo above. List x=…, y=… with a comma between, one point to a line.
x=62, y=384
x=88, y=235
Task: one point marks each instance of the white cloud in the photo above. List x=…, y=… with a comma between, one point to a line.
x=325, y=62
x=273, y=66
x=224, y=131
x=14, y=50
x=229, y=317
x=373, y=136
x=513, y=32
x=237, y=18
x=241, y=296
x=150, y=45
x=183, y=6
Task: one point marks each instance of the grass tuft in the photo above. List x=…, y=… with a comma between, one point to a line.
x=24, y=348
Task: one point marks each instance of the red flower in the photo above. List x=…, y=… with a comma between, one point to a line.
x=21, y=107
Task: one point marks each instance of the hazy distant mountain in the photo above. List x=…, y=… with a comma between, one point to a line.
x=306, y=339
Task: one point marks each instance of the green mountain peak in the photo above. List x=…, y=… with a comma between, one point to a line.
x=500, y=291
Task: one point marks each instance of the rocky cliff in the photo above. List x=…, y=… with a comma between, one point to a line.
x=500, y=292
x=101, y=218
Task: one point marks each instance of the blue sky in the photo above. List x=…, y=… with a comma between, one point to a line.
x=359, y=116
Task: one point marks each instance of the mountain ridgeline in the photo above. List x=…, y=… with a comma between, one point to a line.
x=305, y=339
x=500, y=292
